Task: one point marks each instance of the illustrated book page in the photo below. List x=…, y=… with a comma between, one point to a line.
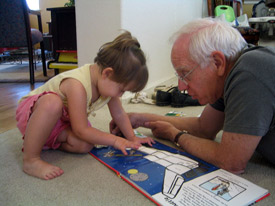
x=170, y=177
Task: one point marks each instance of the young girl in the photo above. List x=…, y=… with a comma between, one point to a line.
x=55, y=115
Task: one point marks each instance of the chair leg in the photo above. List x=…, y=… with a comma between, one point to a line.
x=34, y=58
x=43, y=57
x=31, y=68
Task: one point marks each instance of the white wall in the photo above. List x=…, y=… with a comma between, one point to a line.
x=97, y=22
x=152, y=21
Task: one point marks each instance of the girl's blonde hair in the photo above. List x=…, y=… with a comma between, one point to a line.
x=126, y=59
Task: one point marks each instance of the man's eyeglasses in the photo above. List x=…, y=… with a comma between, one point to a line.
x=184, y=78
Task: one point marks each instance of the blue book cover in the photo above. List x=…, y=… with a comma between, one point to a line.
x=169, y=176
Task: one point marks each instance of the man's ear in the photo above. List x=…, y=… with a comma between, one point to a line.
x=219, y=62
x=107, y=72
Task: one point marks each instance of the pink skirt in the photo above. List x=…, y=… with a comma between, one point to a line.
x=24, y=111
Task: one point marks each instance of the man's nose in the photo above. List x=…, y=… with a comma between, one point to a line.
x=182, y=86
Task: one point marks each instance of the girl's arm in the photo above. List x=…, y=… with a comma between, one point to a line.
x=121, y=119
x=77, y=98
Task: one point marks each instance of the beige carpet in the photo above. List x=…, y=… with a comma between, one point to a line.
x=88, y=182
x=10, y=73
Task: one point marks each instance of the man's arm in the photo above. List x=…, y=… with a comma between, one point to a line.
x=231, y=154
x=207, y=125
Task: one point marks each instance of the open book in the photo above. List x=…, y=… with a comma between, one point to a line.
x=168, y=176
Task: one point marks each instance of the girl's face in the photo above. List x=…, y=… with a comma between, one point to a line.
x=110, y=88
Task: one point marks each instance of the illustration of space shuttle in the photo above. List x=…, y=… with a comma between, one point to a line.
x=175, y=166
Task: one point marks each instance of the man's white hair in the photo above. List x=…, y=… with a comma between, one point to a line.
x=208, y=35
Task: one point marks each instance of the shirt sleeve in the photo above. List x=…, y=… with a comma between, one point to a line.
x=248, y=109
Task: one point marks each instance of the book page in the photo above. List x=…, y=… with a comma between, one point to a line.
x=217, y=188
x=172, y=177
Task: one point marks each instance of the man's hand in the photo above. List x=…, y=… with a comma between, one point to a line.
x=135, y=122
x=114, y=129
x=163, y=130
x=122, y=144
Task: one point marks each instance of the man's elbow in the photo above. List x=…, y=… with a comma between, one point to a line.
x=235, y=166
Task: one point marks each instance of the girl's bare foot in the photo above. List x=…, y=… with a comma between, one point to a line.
x=41, y=169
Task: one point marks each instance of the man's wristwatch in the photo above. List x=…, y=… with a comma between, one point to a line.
x=177, y=137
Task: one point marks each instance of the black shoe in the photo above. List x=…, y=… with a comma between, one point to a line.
x=182, y=99
x=178, y=98
x=163, y=98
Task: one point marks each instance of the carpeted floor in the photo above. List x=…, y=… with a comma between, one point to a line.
x=10, y=73
x=88, y=182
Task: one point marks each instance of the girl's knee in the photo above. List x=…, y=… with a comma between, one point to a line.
x=85, y=147
x=71, y=143
x=50, y=102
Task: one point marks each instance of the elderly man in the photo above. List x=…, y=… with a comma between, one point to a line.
x=216, y=66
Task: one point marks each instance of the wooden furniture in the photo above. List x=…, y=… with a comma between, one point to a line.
x=63, y=31
x=16, y=30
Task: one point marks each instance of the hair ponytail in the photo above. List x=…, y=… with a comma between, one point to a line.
x=127, y=60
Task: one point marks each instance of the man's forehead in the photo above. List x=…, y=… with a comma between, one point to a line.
x=180, y=53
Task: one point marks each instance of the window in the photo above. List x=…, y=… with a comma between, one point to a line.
x=33, y=4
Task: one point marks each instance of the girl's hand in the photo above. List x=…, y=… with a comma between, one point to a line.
x=122, y=144
x=144, y=140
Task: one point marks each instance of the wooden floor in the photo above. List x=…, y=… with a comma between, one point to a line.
x=10, y=93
